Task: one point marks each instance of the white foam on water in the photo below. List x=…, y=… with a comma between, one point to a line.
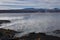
x=33, y=23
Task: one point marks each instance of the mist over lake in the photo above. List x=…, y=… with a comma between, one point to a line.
x=31, y=22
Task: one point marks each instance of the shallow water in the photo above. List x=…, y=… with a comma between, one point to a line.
x=31, y=22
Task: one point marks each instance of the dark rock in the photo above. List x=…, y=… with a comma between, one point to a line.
x=39, y=36
x=16, y=38
x=4, y=21
x=6, y=34
x=56, y=31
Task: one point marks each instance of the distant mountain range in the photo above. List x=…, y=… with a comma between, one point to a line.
x=30, y=10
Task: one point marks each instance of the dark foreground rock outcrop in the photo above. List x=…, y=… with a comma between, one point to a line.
x=39, y=36
x=7, y=34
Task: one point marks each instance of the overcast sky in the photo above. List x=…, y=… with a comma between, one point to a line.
x=19, y=4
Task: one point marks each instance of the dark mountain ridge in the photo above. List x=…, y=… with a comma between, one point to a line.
x=30, y=10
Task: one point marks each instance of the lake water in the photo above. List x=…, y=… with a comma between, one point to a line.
x=32, y=22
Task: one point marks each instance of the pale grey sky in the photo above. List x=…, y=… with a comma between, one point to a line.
x=19, y=4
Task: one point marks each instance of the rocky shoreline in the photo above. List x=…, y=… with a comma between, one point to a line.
x=7, y=34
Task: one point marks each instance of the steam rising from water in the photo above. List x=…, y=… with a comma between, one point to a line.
x=34, y=23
